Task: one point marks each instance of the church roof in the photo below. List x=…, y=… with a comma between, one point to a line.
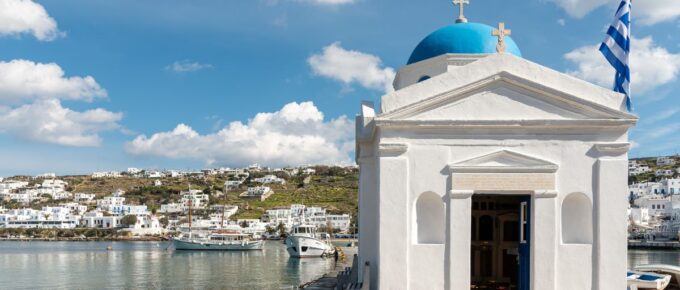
x=461, y=38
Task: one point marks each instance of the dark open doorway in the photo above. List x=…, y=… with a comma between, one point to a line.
x=500, y=242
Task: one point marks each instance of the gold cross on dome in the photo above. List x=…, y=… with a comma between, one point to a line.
x=461, y=3
x=501, y=33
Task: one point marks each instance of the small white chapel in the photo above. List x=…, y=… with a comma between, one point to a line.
x=484, y=170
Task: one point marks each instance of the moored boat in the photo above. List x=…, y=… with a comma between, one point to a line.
x=645, y=280
x=673, y=271
x=305, y=242
x=218, y=241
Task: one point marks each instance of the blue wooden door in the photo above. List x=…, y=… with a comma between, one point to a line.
x=524, y=244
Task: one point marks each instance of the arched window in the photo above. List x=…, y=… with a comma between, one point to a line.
x=577, y=219
x=423, y=78
x=430, y=219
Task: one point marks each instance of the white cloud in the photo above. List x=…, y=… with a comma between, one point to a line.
x=22, y=81
x=649, y=12
x=47, y=121
x=663, y=131
x=655, y=11
x=350, y=66
x=25, y=16
x=579, y=8
x=187, y=66
x=651, y=65
x=562, y=22
x=297, y=134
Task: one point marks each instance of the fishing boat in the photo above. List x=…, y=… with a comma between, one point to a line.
x=673, y=271
x=645, y=280
x=218, y=241
x=305, y=242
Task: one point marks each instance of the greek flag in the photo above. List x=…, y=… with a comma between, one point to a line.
x=616, y=48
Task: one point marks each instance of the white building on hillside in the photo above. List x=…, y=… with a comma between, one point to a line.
x=83, y=197
x=106, y=174
x=195, y=199
x=664, y=173
x=171, y=208
x=97, y=219
x=259, y=192
x=270, y=179
x=665, y=161
x=109, y=202
x=47, y=175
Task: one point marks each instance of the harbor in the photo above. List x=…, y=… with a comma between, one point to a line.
x=89, y=265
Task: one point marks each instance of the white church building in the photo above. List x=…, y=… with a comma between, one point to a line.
x=484, y=169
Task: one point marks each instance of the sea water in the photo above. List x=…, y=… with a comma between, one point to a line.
x=148, y=265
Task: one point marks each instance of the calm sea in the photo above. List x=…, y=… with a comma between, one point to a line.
x=135, y=265
x=88, y=265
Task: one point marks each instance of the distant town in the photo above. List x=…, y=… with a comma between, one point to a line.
x=654, y=195
x=256, y=200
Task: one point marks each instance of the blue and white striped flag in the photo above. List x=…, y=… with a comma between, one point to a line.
x=616, y=48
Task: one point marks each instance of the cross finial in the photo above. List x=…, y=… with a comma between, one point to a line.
x=501, y=33
x=461, y=3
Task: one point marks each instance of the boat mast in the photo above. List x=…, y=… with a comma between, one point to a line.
x=224, y=206
x=191, y=200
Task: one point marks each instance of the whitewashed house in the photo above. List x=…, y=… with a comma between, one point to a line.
x=665, y=161
x=97, y=219
x=258, y=192
x=484, y=167
x=84, y=197
x=171, y=208
x=109, y=202
x=664, y=173
x=106, y=174
x=270, y=179
x=46, y=175
x=232, y=184
x=195, y=199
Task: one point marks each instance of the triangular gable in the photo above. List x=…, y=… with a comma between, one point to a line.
x=488, y=67
x=503, y=161
x=504, y=97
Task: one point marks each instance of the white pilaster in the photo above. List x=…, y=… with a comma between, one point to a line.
x=459, y=240
x=543, y=240
x=393, y=223
x=610, y=223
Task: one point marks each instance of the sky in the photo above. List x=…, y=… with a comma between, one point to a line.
x=97, y=85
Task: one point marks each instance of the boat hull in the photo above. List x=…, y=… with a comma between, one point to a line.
x=305, y=247
x=644, y=280
x=186, y=245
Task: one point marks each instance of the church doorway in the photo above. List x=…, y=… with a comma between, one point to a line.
x=500, y=242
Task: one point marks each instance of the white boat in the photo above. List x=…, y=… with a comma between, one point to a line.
x=218, y=241
x=673, y=271
x=644, y=280
x=305, y=242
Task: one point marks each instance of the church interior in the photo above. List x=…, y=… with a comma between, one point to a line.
x=496, y=236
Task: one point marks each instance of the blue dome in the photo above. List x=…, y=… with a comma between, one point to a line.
x=462, y=38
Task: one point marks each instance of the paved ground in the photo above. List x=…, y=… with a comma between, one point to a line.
x=329, y=280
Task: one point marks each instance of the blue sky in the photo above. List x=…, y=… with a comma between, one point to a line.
x=180, y=84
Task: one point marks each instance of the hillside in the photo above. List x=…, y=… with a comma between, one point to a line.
x=333, y=188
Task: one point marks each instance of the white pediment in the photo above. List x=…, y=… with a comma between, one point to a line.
x=503, y=161
x=504, y=97
x=501, y=103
